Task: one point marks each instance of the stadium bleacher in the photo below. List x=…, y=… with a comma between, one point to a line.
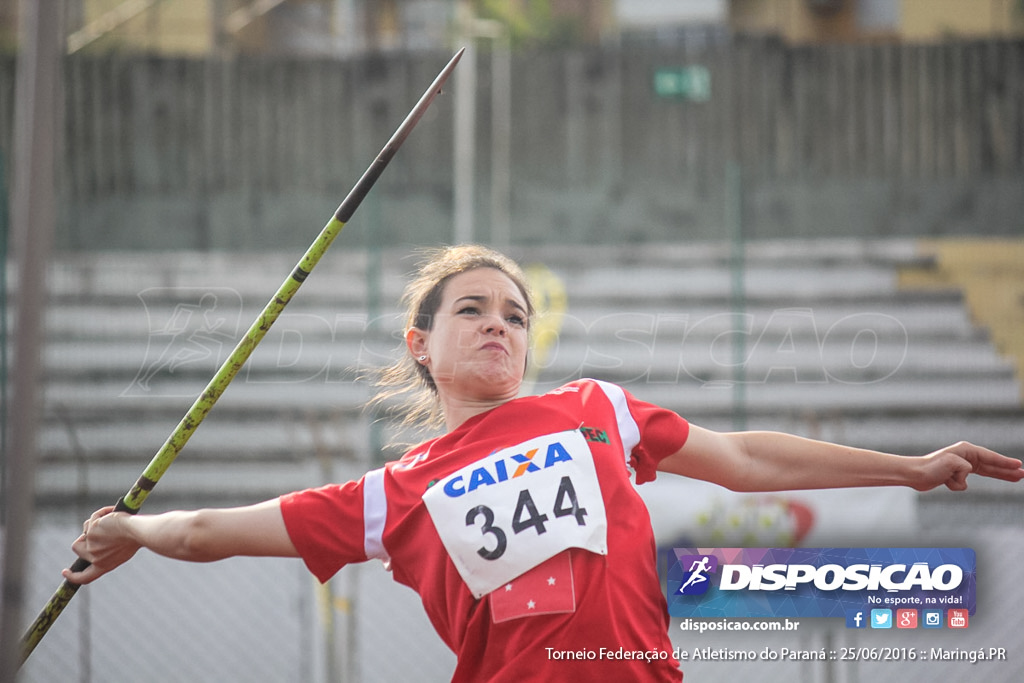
x=821, y=338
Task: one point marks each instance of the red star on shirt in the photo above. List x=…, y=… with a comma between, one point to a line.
x=545, y=589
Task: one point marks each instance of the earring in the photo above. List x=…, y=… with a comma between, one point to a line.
x=422, y=358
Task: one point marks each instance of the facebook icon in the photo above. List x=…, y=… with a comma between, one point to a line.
x=856, y=618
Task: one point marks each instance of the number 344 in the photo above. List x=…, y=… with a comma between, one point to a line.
x=526, y=516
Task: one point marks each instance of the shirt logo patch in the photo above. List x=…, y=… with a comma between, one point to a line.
x=595, y=435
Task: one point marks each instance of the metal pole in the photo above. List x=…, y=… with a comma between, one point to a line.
x=734, y=210
x=3, y=334
x=501, y=140
x=33, y=217
x=134, y=499
x=465, y=136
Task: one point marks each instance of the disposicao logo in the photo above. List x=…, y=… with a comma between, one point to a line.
x=850, y=583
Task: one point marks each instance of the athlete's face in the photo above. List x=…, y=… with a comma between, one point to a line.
x=476, y=348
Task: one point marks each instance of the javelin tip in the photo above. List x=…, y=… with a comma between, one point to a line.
x=451, y=65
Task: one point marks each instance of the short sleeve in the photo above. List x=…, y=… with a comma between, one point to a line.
x=649, y=432
x=326, y=526
x=662, y=433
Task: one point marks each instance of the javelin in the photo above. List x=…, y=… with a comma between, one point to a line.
x=133, y=500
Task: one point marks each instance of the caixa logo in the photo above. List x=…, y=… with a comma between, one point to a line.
x=502, y=469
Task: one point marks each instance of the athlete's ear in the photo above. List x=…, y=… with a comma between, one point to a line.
x=416, y=341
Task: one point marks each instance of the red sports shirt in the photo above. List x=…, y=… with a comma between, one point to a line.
x=506, y=503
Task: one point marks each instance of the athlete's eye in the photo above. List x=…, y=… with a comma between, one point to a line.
x=517, y=320
x=469, y=310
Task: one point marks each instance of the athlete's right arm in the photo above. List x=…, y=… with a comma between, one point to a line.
x=109, y=539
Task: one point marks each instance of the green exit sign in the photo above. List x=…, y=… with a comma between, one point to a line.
x=686, y=83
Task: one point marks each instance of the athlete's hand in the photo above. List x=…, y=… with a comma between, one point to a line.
x=951, y=465
x=104, y=542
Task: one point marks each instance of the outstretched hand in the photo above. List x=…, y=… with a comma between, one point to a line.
x=950, y=466
x=104, y=542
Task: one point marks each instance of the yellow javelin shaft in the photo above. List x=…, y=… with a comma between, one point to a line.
x=133, y=500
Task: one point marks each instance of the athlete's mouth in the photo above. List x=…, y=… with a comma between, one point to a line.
x=494, y=346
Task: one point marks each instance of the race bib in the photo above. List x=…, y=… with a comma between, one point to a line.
x=504, y=514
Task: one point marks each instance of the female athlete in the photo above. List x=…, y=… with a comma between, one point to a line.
x=519, y=526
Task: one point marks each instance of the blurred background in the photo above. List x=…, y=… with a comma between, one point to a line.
x=802, y=215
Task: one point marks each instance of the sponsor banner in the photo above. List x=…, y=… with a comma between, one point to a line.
x=818, y=582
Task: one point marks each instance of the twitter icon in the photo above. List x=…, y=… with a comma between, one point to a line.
x=881, y=618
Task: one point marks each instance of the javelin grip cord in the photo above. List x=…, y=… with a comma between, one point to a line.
x=133, y=500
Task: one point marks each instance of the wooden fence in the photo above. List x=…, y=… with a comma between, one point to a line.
x=202, y=141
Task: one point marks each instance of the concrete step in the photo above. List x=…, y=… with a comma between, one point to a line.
x=926, y=312
x=858, y=354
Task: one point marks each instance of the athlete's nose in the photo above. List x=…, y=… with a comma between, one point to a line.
x=495, y=325
x=497, y=328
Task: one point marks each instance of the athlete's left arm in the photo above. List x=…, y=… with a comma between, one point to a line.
x=773, y=461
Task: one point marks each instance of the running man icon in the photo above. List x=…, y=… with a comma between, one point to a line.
x=699, y=568
x=196, y=333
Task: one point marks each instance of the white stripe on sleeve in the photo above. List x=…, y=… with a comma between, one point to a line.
x=629, y=432
x=375, y=515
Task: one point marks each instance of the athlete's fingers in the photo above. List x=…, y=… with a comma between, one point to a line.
x=102, y=512
x=87, y=575
x=995, y=465
x=958, y=480
x=1004, y=473
x=988, y=463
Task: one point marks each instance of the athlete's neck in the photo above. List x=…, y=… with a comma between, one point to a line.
x=456, y=412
